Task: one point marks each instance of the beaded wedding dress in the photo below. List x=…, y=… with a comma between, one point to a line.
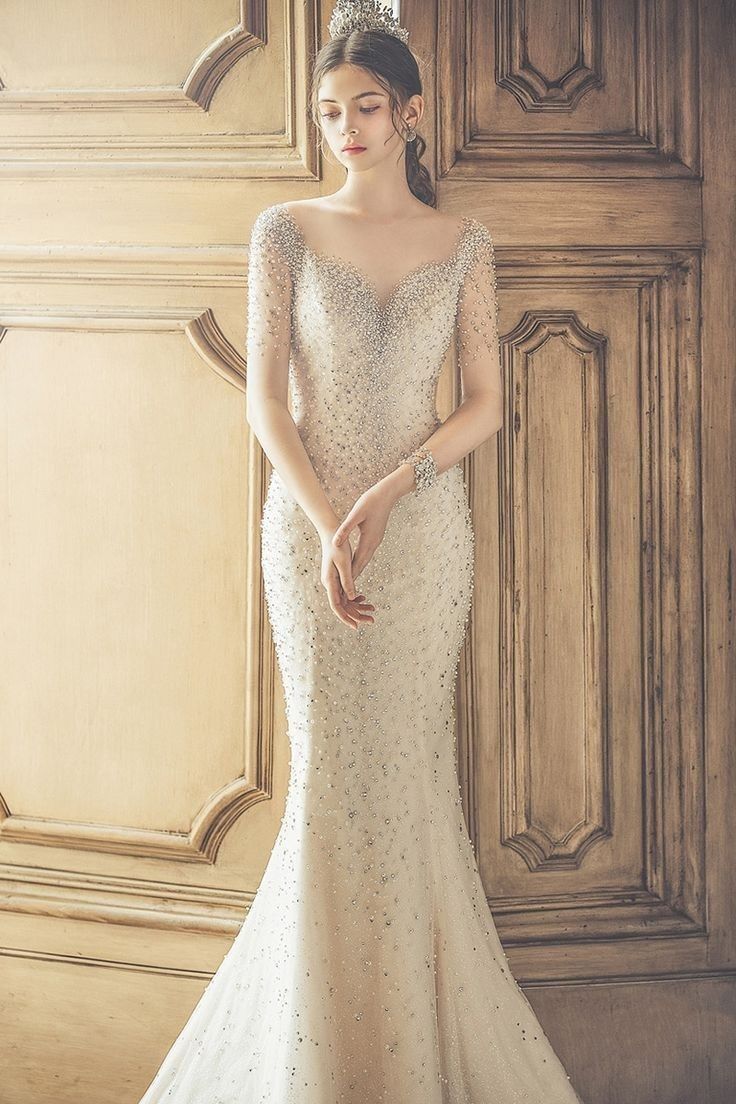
x=368, y=969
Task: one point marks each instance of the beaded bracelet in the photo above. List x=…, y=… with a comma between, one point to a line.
x=425, y=468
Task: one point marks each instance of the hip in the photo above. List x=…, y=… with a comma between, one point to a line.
x=431, y=531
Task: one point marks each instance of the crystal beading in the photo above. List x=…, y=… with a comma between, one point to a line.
x=425, y=468
x=368, y=969
x=364, y=15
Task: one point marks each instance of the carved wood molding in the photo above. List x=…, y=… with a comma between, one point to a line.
x=112, y=899
x=290, y=153
x=529, y=981
x=663, y=135
x=670, y=900
x=196, y=91
x=546, y=92
x=617, y=913
x=211, y=823
x=520, y=830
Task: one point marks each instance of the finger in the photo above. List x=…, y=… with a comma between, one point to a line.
x=336, y=602
x=358, y=608
x=344, y=529
x=360, y=611
x=363, y=556
x=361, y=602
x=339, y=610
x=331, y=584
x=346, y=578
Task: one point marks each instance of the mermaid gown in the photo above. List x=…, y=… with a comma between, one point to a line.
x=368, y=969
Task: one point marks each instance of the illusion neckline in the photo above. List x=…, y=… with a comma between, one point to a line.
x=348, y=266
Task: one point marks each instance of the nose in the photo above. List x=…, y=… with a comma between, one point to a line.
x=347, y=127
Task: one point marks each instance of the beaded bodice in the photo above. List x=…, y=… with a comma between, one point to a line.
x=363, y=371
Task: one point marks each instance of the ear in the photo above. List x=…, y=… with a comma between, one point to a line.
x=415, y=106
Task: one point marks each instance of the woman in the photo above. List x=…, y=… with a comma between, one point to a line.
x=368, y=970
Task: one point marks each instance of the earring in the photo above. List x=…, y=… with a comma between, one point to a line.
x=412, y=135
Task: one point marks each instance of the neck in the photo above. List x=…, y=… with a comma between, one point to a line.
x=380, y=193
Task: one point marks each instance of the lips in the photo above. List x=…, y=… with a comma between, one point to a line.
x=346, y=149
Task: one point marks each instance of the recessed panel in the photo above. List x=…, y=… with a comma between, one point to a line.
x=122, y=578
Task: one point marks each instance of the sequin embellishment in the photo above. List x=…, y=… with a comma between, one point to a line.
x=368, y=969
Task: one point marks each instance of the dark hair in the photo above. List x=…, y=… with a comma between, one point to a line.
x=395, y=68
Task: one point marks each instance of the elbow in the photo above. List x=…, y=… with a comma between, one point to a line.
x=258, y=407
x=254, y=422
x=252, y=408
x=496, y=424
x=493, y=414
x=492, y=428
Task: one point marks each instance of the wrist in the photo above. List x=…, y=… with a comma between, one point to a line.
x=326, y=526
x=400, y=481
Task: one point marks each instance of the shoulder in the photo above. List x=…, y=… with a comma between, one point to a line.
x=293, y=206
x=268, y=218
x=477, y=254
x=433, y=221
x=273, y=227
x=471, y=237
x=478, y=229
x=478, y=237
x=473, y=231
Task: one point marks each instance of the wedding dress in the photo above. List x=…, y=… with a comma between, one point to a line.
x=368, y=969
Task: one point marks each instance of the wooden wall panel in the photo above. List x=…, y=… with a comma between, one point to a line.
x=589, y=91
x=217, y=99
x=143, y=748
x=578, y=134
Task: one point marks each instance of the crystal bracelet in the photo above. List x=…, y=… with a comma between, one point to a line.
x=425, y=468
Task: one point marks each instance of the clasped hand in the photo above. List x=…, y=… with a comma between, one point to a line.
x=341, y=566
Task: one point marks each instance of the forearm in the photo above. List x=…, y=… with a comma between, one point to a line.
x=471, y=423
x=279, y=438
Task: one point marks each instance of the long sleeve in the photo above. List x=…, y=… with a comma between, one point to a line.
x=476, y=333
x=269, y=308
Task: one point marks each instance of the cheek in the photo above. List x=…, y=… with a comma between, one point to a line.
x=331, y=131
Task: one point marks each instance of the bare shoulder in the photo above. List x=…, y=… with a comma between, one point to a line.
x=441, y=226
x=312, y=209
x=439, y=219
x=327, y=227
x=303, y=210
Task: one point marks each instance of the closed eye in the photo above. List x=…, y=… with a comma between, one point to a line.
x=365, y=111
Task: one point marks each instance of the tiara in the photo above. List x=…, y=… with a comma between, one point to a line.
x=364, y=15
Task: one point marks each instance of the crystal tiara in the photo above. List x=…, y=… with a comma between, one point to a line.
x=364, y=15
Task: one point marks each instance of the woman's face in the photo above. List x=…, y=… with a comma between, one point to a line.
x=354, y=111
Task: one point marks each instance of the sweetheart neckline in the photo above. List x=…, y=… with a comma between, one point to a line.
x=343, y=263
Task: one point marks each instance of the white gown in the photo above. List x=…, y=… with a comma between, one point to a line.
x=368, y=969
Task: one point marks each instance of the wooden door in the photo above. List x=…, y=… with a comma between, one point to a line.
x=598, y=688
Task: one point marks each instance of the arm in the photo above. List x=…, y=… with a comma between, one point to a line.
x=267, y=385
x=480, y=413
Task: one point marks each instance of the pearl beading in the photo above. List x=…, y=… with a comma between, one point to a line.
x=368, y=969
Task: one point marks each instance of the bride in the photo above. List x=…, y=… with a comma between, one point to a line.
x=368, y=969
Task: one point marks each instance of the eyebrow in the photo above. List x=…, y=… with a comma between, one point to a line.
x=358, y=97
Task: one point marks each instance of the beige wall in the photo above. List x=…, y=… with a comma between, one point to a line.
x=143, y=746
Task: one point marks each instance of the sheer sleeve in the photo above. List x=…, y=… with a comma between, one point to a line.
x=476, y=332
x=268, y=339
